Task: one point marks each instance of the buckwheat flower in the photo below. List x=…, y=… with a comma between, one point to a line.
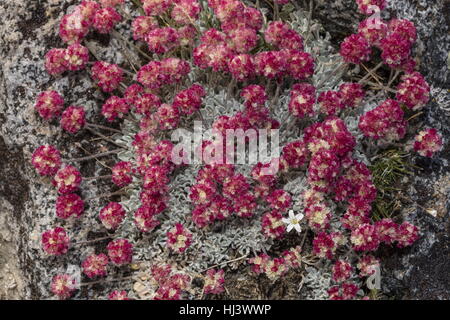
x=189, y=100
x=156, y=7
x=213, y=56
x=259, y=263
x=108, y=76
x=233, y=187
x=241, y=67
x=161, y=40
x=357, y=213
x=295, y=154
x=147, y=103
x=70, y=205
x=118, y=295
x=122, y=173
x=87, y=9
x=276, y=268
x=173, y=70
x=156, y=200
x=254, y=96
x=221, y=208
x=352, y=94
x=367, y=265
x=253, y=18
x=406, y=235
x=279, y=200
x=365, y=238
x=245, y=205
x=347, y=291
x=264, y=174
x=369, y=7
x=413, y=91
x=272, y=225
x=325, y=165
x=95, y=265
x=214, y=281
x=281, y=35
x=395, y=50
x=114, y=108
x=179, y=238
x=270, y=64
x=293, y=257
x=202, y=193
x=325, y=245
x=46, y=160
x=293, y=222
x=385, y=121
x=73, y=119
x=150, y=75
x=63, y=286
x=330, y=102
x=187, y=35
x=342, y=270
x=74, y=26
x=55, y=62
x=386, y=230
x=243, y=40
x=168, y=116
x=228, y=9
x=427, y=142
x=318, y=215
x=185, y=11
x=373, y=29
x=120, y=251
x=76, y=56
x=111, y=3
x=112, y=215
x=49, y=104
x=355, y=49
x=302, y=100
x=300, y=65
x=404, y=28
x=142, y=25
x=167, y=292
x=55, y=241
x=67, y=179
x=145, y=218
x=155, y=178
x=105, y=19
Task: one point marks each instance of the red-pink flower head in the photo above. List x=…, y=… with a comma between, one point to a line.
x=120, y=251
x=404, y=28
x=270, y=64
x=108, y=76
x=299, y=65
x=365, y=238
x=413, y=91
x=74, y=26
x=55, y=241
x=342, y=270
x=282, y=36
x=105, y=19
x=179, y=238
x=355, y=49
x=70, y=205
x=254, y=96
x=241, y=67
x=111, y=3
x=55, y=61
x=395, y=50
x=76, y=56
x=427, y=142
x=330, y=102
x=63, y=286
x=114, y=108
x=302, y=100
x=272, y=225
x=49, y=104
x=142, y=25
x=352, y=94
x=189, y=100
x=295, y=154
x=145, y=218
x=367, y=265
x=293, y=257
x=279, y=200
x=46, y=160
x=112, y=215
x=87, y=9
x=67, y=179
x=214, y=281
x=73, y=119
x=95, y=265
x=373, y=29
x=318, y=216
x=243, y=39
x=406, y=235
x=185, y=11
x=168, y=116
x=161, y=40
x=156, y=7
x=122, y=173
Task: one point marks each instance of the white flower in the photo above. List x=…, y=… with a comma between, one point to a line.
x=293, y=221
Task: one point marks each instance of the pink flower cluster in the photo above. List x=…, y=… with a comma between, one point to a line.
x=95, y=265
x=120, y=251
x=170, y=284
x=122, y=173
x=73, y=119
x=112, y=215
x=413, y=91
x=108, y=76
x=156, y=74
x=74, y=58
x=345, y=291
x=115, y=107
x=274, y=268
x=49, y=104
x=189, y=100
x=67, y=179
x=55, y=241
x=384, y=122
x=46, y=160
x=69, y=205
x=179, y=238
x=214, y=281
x=428, y=142
x=63, y=286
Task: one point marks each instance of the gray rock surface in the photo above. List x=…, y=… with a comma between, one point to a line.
x=29, y=29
